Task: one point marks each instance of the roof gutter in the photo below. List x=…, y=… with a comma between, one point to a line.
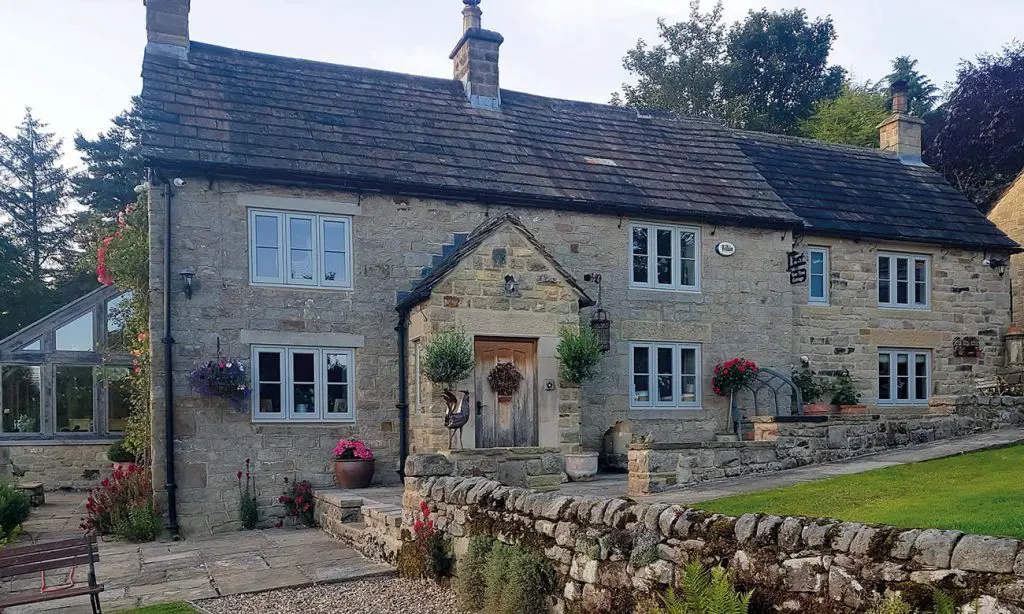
x=399, y=188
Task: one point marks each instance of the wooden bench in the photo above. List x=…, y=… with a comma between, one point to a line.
x=64, y=554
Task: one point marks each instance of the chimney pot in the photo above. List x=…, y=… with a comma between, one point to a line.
x=167, y=27
x=899, y=90
x=471, y=15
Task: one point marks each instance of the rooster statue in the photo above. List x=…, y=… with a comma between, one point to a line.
x=457, y=415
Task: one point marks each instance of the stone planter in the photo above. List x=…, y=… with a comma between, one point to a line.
x=581, y=467
x=353, y=473
x=817, y=409
x=853, y=410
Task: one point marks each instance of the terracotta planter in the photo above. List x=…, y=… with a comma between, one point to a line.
x=125, y=467
x=353, y=473
x=581, y=467
x=817, y=409
x=853, y=410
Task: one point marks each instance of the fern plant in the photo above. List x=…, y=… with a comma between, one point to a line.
x=705, y=591
x=942, y=603
x=448, y=357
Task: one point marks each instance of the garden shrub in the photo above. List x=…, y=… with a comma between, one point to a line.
x=518, y=581
x=448, y=357
x=471, y=582
x=299, y=502
x=428, y=555
x=705, y=591
x=123, y=505
x=844, y=391
x=119, y=453
x=812, y=386
x=579, y=351
x=15, y=506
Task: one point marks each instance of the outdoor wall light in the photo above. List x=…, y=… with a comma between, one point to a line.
x=999, y=264
x=188, y=277
x=511, y=286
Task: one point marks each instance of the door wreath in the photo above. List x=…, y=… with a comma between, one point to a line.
x=505, y=379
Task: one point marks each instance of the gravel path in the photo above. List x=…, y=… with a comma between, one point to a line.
x=385, y=596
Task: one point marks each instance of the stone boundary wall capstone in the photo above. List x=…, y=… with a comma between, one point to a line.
x=532, y=467
x=786, y=443
x=612, y=552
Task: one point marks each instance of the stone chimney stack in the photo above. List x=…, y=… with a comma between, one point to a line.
x=167, y=27
x=901, y=132
x=476, y=59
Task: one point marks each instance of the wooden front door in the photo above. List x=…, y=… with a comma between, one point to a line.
x=506, y=421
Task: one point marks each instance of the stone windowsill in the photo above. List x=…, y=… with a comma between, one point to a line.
x=62, y=441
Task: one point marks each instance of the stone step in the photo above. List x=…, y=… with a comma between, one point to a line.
x=726, y=437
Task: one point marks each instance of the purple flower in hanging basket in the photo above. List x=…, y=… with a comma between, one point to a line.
x=225, y=378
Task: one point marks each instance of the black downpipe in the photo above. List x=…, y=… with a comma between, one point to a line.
x=168, y=341
x=403, y=390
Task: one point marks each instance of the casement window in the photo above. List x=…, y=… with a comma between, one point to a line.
x=818, y=275
x=903, y=281
x=300, y=249
x=664, y=375
x=665, y=257
x=303, y=384
x=904, y=377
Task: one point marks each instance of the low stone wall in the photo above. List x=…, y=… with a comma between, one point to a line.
x=538, y=468
x=374, y=529
x=787, y=442
x=611, y=552
x=58, y=465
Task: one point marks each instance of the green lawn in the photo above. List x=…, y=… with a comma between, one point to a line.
x=982, y=492
x=164, y=608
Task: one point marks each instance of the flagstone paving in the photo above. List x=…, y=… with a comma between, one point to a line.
x=192, y=569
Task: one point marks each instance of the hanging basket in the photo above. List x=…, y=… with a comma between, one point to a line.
x=505, y=379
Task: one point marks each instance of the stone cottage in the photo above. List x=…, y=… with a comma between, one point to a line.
x=329, y=219
x=1008, y=215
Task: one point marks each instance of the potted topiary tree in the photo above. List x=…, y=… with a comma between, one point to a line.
x=579, y=351
x=447, y=360
x=122, y=458
x=813, y=388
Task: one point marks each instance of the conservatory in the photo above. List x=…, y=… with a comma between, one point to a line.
x=64, y=379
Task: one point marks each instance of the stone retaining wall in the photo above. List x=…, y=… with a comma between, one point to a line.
x=788, y=442
x=611, y=552
x=538, y=468
x=58, y=465
x=374, y=529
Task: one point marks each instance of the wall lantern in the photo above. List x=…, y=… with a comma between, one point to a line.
x=999, y=264
x=188, y=276
x=600, y=323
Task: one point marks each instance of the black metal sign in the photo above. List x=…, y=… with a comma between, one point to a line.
x=796, y=264
x=966, y=346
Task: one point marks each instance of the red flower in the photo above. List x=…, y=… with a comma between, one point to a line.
x=239, y=475
x=279, y=523
x=425, y=507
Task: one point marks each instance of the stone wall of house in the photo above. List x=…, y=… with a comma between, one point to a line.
x=968, y=298
x=63, y=465
x=784, y=444
x=745, y=308
x=1008, y=215
x=609, y=553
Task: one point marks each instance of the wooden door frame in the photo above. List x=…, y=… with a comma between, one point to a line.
x=535, y=400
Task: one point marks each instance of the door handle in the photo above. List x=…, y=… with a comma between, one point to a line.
x=479, y=408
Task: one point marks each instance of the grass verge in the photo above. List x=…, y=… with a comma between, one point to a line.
x=980, y=492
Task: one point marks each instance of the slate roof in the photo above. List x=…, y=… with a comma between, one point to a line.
x=245, y=114
x=464, y=245
x=244, y=111
x=854, y=191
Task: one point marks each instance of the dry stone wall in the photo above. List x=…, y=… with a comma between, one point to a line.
x=784, y=443
x=609, y=553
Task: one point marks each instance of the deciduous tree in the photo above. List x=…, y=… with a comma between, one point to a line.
x=852, y=118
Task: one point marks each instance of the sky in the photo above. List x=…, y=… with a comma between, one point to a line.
x=77, y=62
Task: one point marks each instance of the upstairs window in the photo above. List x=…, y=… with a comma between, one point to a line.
x=665, y=375
x=665, y=257
x=300, y=249
x=817, y=275
x=903, y=281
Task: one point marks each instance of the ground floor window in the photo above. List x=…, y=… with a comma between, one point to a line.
x=78, y=400
x=295, y=384
x=904, y=377
x=665, y=375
